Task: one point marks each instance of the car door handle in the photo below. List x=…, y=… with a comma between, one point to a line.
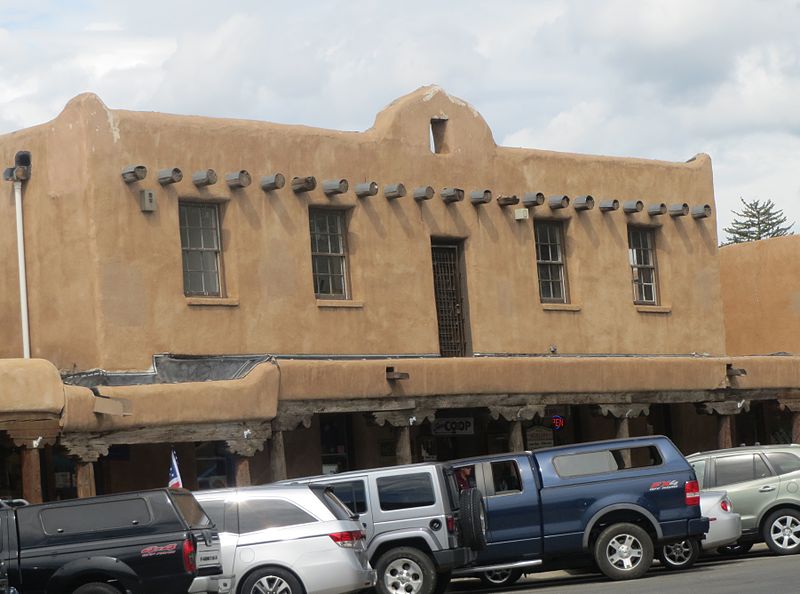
x=766, y=489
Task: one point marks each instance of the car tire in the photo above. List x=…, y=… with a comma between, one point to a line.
x=472, y=519
x=442, y=582
x=679, y=555
x=500, y=577
x=737, y=548
x=781, y=532
x=623, y=551
x=405, y=570
x=271, y=579
x=96, y=588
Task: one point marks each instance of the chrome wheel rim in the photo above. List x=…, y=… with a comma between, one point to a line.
x=624, y=552
x=271, y=584
x=497, y=576
x=785, y=532
x=403, y=575
x=679, y=553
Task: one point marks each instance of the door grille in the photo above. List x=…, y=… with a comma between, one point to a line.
x=449, y=306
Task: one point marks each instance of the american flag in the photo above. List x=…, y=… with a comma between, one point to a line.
x=175, y=481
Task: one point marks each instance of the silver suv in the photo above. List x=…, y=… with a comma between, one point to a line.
x=419, y=526
x=763, y=482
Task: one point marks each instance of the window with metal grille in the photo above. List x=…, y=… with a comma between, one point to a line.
x=550, y=261
x=328, y=253
x=642, y=255
x=201, y=249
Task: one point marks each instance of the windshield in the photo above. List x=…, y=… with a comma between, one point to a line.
x=190, y=509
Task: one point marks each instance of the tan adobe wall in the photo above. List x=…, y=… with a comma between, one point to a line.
x=761, y=295
x=106, y=283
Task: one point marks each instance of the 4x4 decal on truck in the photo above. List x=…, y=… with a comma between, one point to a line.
x=156, y=550
x=661, y=485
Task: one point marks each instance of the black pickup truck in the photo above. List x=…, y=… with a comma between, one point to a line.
x=129, y=543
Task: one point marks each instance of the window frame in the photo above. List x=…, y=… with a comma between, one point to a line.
x=185, y=249
x=637, y=285
x=343, y=257
x=560, y=263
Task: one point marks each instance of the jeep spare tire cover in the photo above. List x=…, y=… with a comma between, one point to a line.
x=472, y=519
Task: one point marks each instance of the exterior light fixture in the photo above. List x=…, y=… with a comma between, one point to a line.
x=238, y=179
x=304, y=184
x=609, y=205
x=678, y=210
x=331, y=187
x=169, y=176
x=507, y=200
x=134, y=173
x=557, y=202
x=531, y=199
x=393, y=191
x=584, y=203
x=423, y=193
x=366, y=189
x=450, y=195
x=656, y=210
x=204, y=177
x=632, y=206
x=273, y=182
x=701, y=212
x=479, y=197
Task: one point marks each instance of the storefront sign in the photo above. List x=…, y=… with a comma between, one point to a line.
x=454, y=426
x=539, y=437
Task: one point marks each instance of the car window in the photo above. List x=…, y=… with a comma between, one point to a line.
x=215, y=509
x=735, y=469
x=699, y=467
x=260, y=514
x=761, y=468
x=353, y=495
x=405, y=491
x=190, y=509
x=784, y=462
x=108, y=515
x=606, y=461
x=505, y=477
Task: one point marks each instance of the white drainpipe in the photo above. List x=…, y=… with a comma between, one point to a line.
x=23, y=282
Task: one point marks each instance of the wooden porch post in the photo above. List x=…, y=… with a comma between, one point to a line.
x=31, y=474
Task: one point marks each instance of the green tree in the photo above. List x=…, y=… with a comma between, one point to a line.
x=757, y=220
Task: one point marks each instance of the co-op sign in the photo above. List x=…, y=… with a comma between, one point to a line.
x=453, y=426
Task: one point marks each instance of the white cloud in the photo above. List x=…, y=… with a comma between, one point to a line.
x=647, y=79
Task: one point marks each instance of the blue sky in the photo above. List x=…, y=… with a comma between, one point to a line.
x=652, y=79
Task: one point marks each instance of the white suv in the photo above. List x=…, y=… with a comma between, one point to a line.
x=287, y=539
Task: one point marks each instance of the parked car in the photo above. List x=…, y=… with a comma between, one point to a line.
x=287, y=540
x=419, y=527
x=142, y=542
x=763, y=482
x=725, y=528
x=607, y=502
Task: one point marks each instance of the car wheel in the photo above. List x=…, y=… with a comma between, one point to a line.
x=442, y=582
x=623, y=551
x=735, y=549
x=501, y=577
x=679, y=555
x=472, y=519
x=271, y=580
x=405, y=570
x=96, y=588
x=782, y=532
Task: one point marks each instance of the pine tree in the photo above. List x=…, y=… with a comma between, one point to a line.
x=756, y=221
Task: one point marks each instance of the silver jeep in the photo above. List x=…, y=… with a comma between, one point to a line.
x=419, y=526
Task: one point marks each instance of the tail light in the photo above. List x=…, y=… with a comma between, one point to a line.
x=189, y=556
x=692, y=492
x=350, y=539
x=451, y=524
x=725, y=504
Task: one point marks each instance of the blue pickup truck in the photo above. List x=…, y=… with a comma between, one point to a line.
x=608, y=503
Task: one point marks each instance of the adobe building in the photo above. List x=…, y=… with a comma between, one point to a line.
x=278, y=300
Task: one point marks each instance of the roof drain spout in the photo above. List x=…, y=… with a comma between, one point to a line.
x=17, y=174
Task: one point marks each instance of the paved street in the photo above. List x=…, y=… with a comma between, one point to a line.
x=757, y=572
